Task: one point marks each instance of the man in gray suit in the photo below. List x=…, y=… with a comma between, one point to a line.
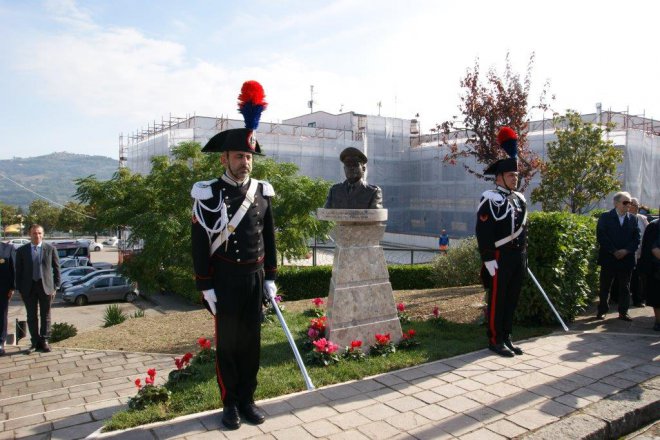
x=37, y=279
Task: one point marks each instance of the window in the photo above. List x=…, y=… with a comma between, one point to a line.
x=105, y=282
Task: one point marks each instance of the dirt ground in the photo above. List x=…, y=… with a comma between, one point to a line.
x=178, y=332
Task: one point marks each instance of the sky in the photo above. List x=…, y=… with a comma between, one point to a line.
x=74, y=75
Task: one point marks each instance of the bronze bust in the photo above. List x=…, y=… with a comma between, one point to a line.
x=354, y=192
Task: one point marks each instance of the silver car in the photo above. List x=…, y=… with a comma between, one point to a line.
x=73, y=273
x=103, y=288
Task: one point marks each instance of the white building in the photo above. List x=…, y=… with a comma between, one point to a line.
x=423, y=194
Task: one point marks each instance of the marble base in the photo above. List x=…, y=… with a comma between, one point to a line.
x=360, y=301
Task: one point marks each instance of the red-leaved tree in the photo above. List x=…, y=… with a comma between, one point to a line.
x=486, y=105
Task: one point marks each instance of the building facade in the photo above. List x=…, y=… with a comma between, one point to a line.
x=423, y=194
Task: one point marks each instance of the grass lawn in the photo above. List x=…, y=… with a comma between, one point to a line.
x=279, y=373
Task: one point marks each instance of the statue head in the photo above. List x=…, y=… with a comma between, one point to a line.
x=355, y=164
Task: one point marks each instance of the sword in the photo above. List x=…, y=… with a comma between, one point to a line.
x=292, y=343
x=547, y=299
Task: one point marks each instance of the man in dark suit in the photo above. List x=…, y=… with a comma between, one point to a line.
x=37, y=278
x=618, y=236
x=7, y=278
x=354, y=192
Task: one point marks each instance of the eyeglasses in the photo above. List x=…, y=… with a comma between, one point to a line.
x=626, y=202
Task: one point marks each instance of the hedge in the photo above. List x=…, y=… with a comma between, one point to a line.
x=307, y=282
x=562, y=256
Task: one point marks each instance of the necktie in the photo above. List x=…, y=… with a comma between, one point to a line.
x=36, y=264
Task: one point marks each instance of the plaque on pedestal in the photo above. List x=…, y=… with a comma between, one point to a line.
x=360, y=300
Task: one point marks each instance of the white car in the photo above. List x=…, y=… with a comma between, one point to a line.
x=112, y=241
x=91, y=244
x=73, y=262
x=18, y=242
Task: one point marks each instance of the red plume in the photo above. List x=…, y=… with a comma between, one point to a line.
x=253, y=93
x=505, y=134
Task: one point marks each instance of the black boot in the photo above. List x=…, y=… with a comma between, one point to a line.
x=252, y=413
x=230, y=417
x=513, y=348
x=501, y=350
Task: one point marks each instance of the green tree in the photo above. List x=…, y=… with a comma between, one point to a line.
x=581, y=166
x=9, y=215
x=156, y=208
x=486, y=105
x=43, y=213
x=72, y=218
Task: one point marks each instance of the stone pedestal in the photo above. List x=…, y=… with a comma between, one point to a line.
x=360, y=301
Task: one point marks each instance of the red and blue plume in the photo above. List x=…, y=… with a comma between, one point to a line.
x=508, y=140
x=251, y=103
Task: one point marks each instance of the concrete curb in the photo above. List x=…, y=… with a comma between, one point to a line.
x=611, y=418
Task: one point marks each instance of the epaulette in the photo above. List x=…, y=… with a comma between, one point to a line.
x=492, y=195
x=202, y=190
x=520, y=196
x=268, y=190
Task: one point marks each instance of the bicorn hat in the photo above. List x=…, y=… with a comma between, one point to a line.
x=250, y=103
x=507, y=139
x=350, y=152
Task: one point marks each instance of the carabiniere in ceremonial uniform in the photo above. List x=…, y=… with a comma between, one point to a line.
x=234, y=257
x=502, y=237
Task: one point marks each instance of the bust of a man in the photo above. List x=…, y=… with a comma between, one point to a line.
x=354, y=192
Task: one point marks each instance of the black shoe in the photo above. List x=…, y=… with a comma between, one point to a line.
x=625, y=317
x=45, y=347
x=501, y=350
x=252, y=413
x=600, y=316
x=639, y=304
x=513, y=348
x=31, y=349
x=230, y=417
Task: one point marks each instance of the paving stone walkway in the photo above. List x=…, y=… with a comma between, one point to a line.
x=602, y=379
x=66, y=394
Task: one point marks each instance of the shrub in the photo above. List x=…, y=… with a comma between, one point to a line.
x=139, y=313
x=113, y=315
x=460, y=267
x=409, y=277
x=562, y=256
x=61, y=331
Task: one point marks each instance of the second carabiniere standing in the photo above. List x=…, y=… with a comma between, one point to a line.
x=502, y=237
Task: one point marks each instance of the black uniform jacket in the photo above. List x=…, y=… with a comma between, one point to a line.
x=500, y=214
x=612, y=236
x=248, y=249
x=7, y=275
x=362, y=196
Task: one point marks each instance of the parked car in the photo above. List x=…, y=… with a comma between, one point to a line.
x=103, y=288
x=97, y=273
x=91, y=244
x=18, y=242
x=74, y=262
x=74, y=273
x=112, y=241
x=102, y=265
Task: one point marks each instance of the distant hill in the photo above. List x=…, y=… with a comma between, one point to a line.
x=51, y=175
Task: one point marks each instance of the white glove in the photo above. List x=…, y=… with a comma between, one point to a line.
x=270, y=289
x=209, y=296
x=491, y=267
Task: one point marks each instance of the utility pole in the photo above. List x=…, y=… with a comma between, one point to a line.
x=310, y=103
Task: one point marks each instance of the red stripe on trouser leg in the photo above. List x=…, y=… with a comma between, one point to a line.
x=493, y=302
x=218, y=375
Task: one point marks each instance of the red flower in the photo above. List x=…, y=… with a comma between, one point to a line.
x=356, y=344
x=138, y=383
x=436, y=311
x=331, y=347
x=201, y=341
x=187, y=357
x=318, y=323
x=179, y=363
x=312, y=333
x=317, y=302
x=204, y=343
x=401, y=307
x=149, y=380
x=383, y=339
x=152, y=373
x=320, y=344
x=411, y=332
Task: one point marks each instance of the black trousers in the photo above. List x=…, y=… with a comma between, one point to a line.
x=637, y=286
x=4, y=311
x=504, y=292
x=622, y=277
x=37, y=305
x=238, y=335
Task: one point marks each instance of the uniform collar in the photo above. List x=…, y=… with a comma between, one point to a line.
x=503, y=189
x=234, y=183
